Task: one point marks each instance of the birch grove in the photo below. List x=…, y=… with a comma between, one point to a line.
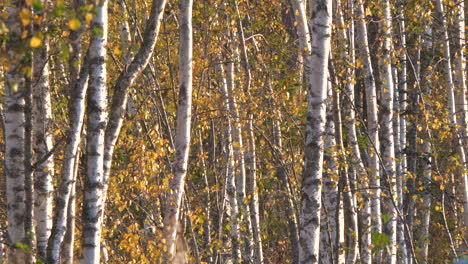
x=233, y=131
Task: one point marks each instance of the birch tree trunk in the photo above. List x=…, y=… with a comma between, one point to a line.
x=125, y=81
x=313, y=161
x=357, y=166
x=182, y=138
x=372, y=124
x=42, y=143
x=78, y=87
x=426, y=207
x=461, y=103
x=400, y=126
x=387, y=127
x=14, y=124
x=452, y=110
x=250, y=155
x=239, y=154
x=97, y=120
x=230, y=179
x=332, y=222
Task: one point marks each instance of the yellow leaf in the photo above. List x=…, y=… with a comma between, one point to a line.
x=88, y=18
x=117, y=50
x=74, y=24
x=25, y=16
x=65, y=33
x=35, y=42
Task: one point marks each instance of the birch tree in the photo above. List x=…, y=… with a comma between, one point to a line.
x=230, y=179
x=452, y=107
x=16, y=82
x=97, y=120
x=357, y=170
x=182, y=138
x=387, y=126
x=78, y=86
x=313, y=160
x=372, y=123
x=250, y=155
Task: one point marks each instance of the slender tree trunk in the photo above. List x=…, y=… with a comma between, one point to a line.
x=78, y=87
x=452, y=110
x=372, y=123
x=426, y=207
x=400, y=128
x=332, y=222
x=97, y=120
x=461, y=103
x=230, y=180
x=125, y=81
x=313, y=161
x=239, y=154
x=208, y=220
x=357, y=167
x=42, y=144
x=250, y=155
x=182, y=138
x=16, y=82
x=388, y=143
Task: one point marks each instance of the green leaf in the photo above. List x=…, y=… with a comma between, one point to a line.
x=22, y=246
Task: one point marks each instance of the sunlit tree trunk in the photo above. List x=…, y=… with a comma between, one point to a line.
x=239, y=151
x=426, y=207
x=97, y=120
x=372, y=123
x=78, y=86
x=461, y=103
x=388, y=143
x=125, y=81
x=208, y=203
x=357, y=170
x=452, y=109
x=332, y=222
x=400, y=127
x=182, y=137
x=305, y=42
x=250, y=155
x=230, y=180
x=316, y=115
x=16, y=82
x=42, y=143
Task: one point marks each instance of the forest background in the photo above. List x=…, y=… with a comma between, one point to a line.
x=233, y=131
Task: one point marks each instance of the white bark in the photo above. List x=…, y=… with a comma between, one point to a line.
x=452, y=109
x=400, y=129
x=461, y=103
x=239, y=154
x=230, y=180
x=357, y=166
x=42, y=144
x=182, y=138
x=305, y=41
x=332, y=220
x=313, y=161
x=125, y=81
x=250, y=155
x=97, y=119
x=372, y=124
x=426, y=207
x=14, y=124
x=387, y=127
